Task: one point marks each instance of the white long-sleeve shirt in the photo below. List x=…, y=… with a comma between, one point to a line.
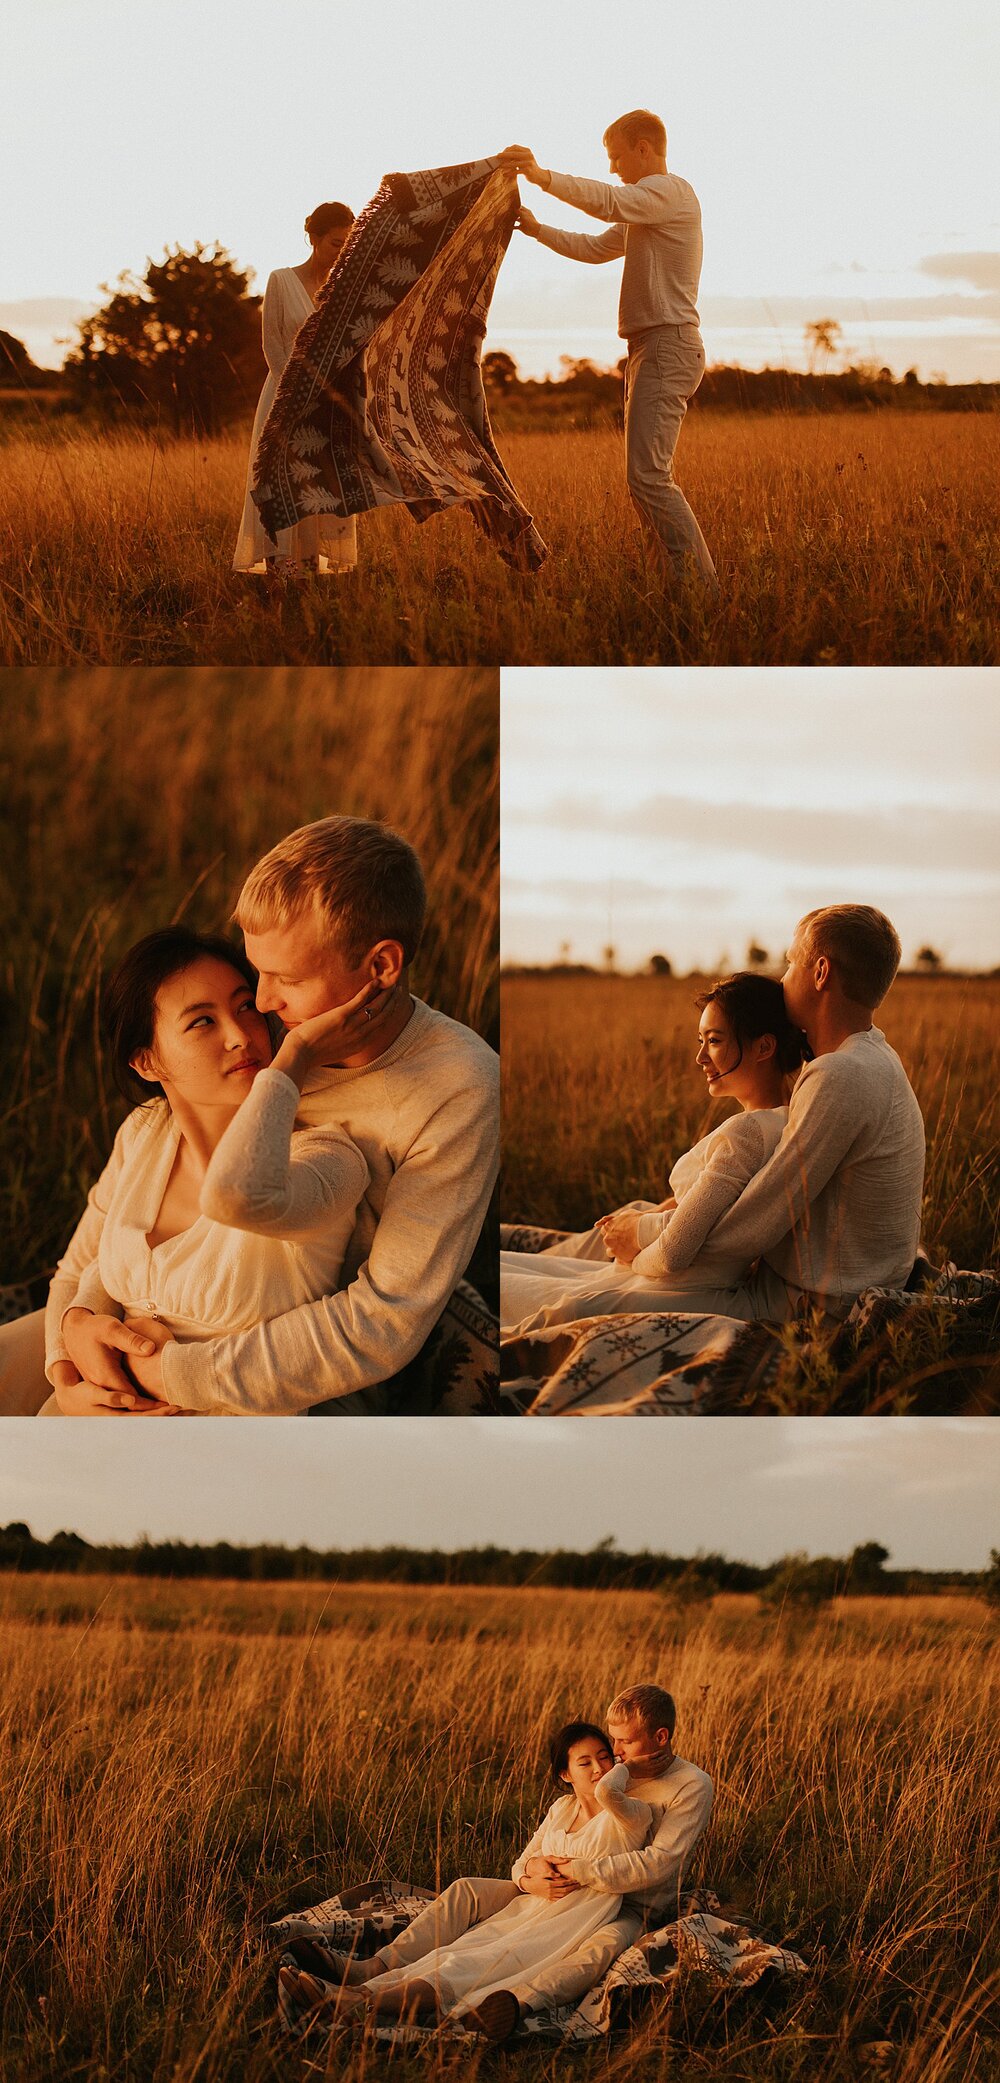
x=837, y=1208
x=425, y=1117
x=648, y=1876
x=655, y=225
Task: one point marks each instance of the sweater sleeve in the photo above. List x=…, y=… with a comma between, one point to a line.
x=81, y=1252
x=629, y=202
x=737, y=1153
x=632, y=1817
x=431, y=1217
x=582, y=245
x=660, y=1863
x=823, y=1123
x=259, y=1180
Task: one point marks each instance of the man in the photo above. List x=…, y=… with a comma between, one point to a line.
x=655, y=221
x=333, y=913
x=837, y=1207
x=641, y=1722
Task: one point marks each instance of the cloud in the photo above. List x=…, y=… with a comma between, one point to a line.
x=981, y=269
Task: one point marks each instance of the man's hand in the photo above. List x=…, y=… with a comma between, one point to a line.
x=525, y=221
x=545, y=1879
x=519, y=159
x=621, y=1236
x=94, y=1342
x=329, y=1036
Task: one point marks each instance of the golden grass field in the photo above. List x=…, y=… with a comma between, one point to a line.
x=181, y=1763
x=134, y=797
x=850, y=539
x=601, y=1094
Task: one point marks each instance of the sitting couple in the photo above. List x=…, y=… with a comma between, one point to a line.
x=809, y=1194
x=605, y=1864
x=274, y=1229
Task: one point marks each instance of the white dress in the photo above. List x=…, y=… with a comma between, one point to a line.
x=279, y=1207
x=531, y=1936
x=330, y=537
x=540, y=1290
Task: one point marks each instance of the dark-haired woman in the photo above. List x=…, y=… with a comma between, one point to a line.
x=213, y=1212
x=748, y=1051
x=504, y=1955
x=325, y=543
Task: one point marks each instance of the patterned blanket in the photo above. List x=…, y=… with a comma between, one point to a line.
x=684, y=1365
x=726, y=1955
x=382, y=400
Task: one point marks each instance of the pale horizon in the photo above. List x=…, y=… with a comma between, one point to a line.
x=843, y=160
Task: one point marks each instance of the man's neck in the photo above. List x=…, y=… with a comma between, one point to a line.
x=835, y=1024
x=387, y=1032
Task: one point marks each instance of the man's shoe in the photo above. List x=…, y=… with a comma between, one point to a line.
x=497, y=2017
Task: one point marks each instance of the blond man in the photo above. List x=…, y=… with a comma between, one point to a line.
x=654, y=220
x=641, y=1722
x=332, y=918
x=837, y=1207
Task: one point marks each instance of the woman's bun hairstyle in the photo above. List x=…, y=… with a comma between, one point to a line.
x=324, y=217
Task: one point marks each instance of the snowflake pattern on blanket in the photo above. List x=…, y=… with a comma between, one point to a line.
x=726, y=1952
x=382, y=399
x=659, y=1364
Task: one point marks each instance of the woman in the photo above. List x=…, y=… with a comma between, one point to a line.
x=326, y=542
x=215, y=1213
x=531, y=1935
x=748, y=1051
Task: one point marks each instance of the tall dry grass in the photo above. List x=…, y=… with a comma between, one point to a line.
x=601, y=1094
x=135, y=797
x=854, y=538
x=181, y=1763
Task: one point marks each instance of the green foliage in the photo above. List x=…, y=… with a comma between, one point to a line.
x=183, y=341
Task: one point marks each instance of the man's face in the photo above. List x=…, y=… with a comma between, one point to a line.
x=627, y=162
x=797, y=984
x=630, y=1740
x=302, y=970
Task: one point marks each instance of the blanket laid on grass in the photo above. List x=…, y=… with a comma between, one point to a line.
x=726, y=1955
x=382, y=399
x=685, y=1365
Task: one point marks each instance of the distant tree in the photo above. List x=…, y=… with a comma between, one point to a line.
x=803, y=1580
x=660, y=965
x=183, y=339
x=822, y=337
x=610, y=958
x=929, y=960
x=499, y=370
x=867, y=1566
x=757, y=957
x=991, y=1578
x=17, y=370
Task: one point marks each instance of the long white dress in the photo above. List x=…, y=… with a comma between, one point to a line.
x=279, y=1207
x=331, y=538
x=575, y=1279
x=530, y=1936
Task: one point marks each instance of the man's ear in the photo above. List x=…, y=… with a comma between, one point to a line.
x=386, y=963
x=822, y=973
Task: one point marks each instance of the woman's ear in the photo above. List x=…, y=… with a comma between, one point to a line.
x=145, y=1066
x=766, y=1046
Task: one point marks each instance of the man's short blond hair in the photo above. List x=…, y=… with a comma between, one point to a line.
x=639, y=122
x=648, y=1704
x=362, y=880
x=861, y=945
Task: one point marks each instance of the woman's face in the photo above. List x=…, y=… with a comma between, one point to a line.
x=209, y=1040
x=328, y=248
x=587, y=1762
x=720, y=1056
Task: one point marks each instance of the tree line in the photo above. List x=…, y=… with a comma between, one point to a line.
x=605, y=1567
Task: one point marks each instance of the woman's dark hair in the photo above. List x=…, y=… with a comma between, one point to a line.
x=755, y=1005
x=128, y=1001
x=324, y=217
x=574, y=1732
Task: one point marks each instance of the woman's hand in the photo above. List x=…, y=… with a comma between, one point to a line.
x=81, y=1399
x=621, y=1236
x=329, y=1036
x=148, y=1368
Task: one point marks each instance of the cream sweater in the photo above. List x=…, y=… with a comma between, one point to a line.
x=837, y=1208
x=425, y=1118
x=656, y=225
x=648, y=1876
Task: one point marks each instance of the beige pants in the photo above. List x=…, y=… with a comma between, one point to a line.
x=470, y=1901
x=664, y=368
x=23, y=1387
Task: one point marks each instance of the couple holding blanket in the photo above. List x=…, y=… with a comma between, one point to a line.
x=807, y=1195
x=308, y=1163
x=605, y=1864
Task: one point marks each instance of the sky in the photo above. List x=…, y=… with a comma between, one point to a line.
x=845, y=156
x=753, y=1488
x=686, y=811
